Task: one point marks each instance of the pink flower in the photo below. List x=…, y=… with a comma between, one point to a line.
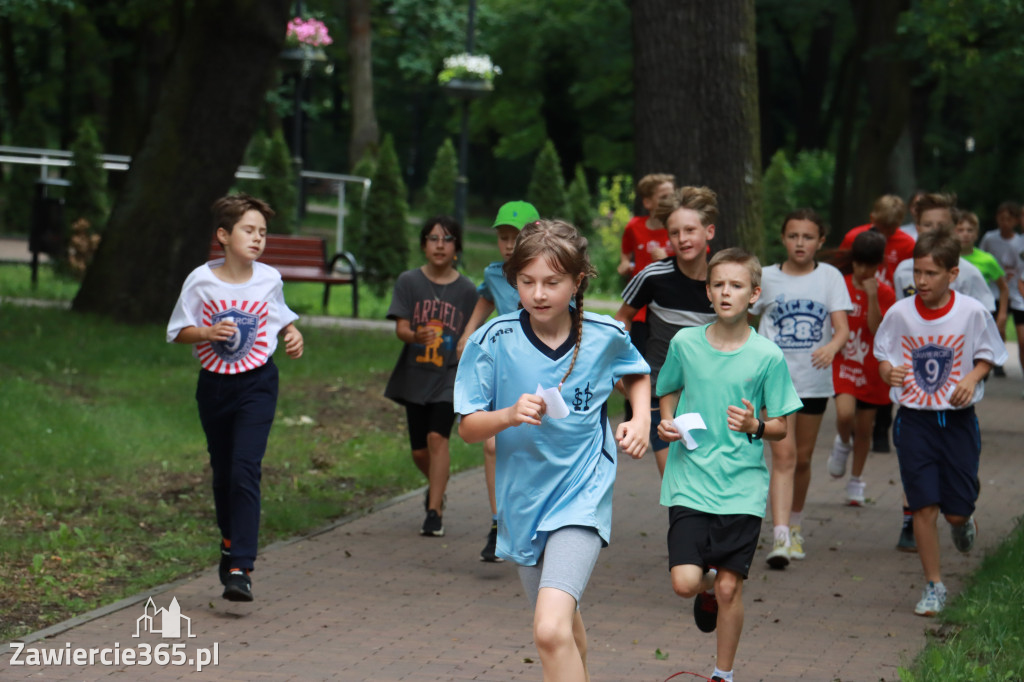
x=307, y=32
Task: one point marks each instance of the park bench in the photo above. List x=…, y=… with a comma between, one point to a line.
x=304, y=259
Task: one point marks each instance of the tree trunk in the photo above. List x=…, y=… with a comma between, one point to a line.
x=160, y=227
x=696, y=105
x=887, y=81
x=365, y=132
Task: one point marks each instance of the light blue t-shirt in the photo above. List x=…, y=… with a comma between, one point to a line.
x=726, y=474
x=559, y=473
x=496, y=289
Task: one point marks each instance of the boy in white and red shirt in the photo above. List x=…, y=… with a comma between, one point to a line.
x=934, y=349
x=859, y=389
x=231, y=310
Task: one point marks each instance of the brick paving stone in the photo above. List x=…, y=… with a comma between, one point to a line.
x=369, y=599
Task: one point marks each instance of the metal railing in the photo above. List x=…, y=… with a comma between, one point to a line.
x=59, y=158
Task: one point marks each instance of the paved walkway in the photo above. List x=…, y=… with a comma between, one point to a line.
x=369, y=599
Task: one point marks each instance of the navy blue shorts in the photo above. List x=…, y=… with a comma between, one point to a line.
x=938, y=454
x=698, y=538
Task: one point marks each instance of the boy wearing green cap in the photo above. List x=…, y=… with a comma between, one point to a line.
x=497, y=294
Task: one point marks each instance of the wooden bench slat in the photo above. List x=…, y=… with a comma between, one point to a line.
x=304, y=259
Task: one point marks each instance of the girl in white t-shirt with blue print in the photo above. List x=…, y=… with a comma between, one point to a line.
x=803, y=309
x=556, y=455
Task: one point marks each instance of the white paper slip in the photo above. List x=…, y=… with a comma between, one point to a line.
x=685, y=423
x=553, y=402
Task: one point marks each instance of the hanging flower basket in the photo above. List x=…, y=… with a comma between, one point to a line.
x=467, y=89
x=468, y=76
x=304, y=44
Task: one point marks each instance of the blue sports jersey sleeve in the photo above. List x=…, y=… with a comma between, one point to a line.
x=474, y=382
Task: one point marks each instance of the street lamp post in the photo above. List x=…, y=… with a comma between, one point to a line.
x=462, y=181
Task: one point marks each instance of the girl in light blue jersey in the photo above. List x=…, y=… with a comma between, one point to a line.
x=556, y=454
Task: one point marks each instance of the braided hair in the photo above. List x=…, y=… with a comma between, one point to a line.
x=566, y=251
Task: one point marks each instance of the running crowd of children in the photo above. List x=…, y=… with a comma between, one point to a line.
x=912, y=314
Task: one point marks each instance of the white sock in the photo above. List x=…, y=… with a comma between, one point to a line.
x=726, y=676
x=794, y=518
x=710, y=576
x=855, y=479
x=782, y=533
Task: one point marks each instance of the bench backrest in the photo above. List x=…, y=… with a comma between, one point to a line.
x=286, y=250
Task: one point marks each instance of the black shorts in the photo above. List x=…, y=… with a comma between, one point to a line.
x=720, y=541
x=1018, y=317
x=429, y=418
x=813, y=406
x=865, y=405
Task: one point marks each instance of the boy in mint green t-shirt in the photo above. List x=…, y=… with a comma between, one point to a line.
x=717, y=491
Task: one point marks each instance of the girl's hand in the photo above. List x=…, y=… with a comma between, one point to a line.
x=293, y=342
x=742, y=419
x=870, y=286
x=527, y=410
x=822, y=357
x=667, y=431
x=222, y=331
x=898, y=375
x=634, y=436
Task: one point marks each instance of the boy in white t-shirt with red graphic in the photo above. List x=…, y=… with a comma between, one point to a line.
x=231, y=310
x=934, y=349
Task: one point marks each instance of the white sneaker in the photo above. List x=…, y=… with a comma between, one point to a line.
x=779, y=556
x=855, y=493
x=837, y=458
x=933, y=599
x=796, y=543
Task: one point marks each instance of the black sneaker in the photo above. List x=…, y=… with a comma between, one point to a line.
x=238, y=586
x=705, y=612
x=906, y=542
x=225, y=563
x=488, y=552
x=432, y=525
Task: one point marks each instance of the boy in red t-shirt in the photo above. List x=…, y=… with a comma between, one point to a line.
x=858, y=386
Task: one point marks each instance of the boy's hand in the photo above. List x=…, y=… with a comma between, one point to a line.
x=633, y=436
x=222, y=331
x=898, y=375
x=461, y=345
x=963, y=392
x=424, y=335
x=667, y=431
x=527, y=410
x=293, y=342
x=742, y=419
x=657, y=252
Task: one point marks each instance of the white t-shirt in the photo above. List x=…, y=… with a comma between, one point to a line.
x=939, y=352
x=910, y=229
x=1007, y=252
x=970, y=281
x=256, y=306
x=796, y=313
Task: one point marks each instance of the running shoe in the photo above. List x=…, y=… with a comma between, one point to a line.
x=239, y=586
x=779, y=556
x=855, y=493
x=837, y=458
x=906, y=542
x=488, y=553
x=705, y=612
x=796, y=543
x=432, y=525
x=964, y=534
x=933, y=599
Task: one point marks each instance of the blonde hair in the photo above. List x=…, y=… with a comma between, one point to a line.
x=740, y=256
x=649, y=184
x=703, y=200
x=566, y=250
x=888, y=211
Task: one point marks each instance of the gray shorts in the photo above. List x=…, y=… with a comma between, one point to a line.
x=569, y=557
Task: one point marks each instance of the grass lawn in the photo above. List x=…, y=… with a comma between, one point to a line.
x=104, y=482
